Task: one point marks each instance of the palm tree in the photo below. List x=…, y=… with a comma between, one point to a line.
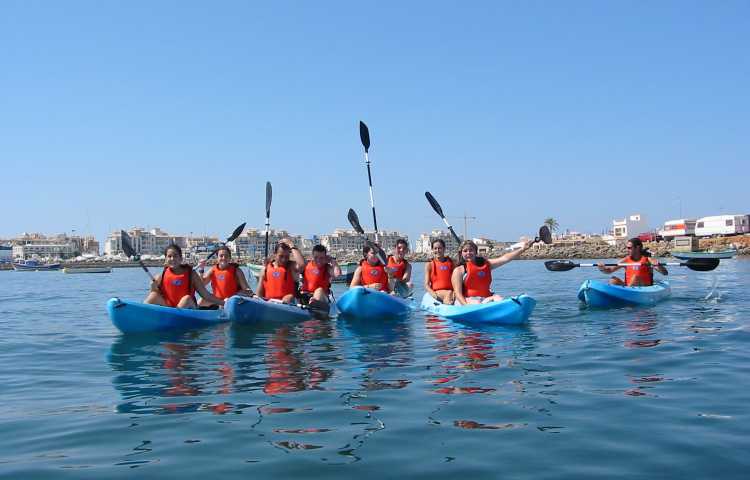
x=552, y=224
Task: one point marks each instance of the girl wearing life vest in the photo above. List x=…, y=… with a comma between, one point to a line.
x=278, y=278
x=226, y=278
x=317, y=275
x=639, y=271
x=472, y=277
x=177, y=283
x=371, y=273
x=438, y=273
x=399, y=267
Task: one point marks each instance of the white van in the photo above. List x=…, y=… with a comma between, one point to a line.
x=722, y=225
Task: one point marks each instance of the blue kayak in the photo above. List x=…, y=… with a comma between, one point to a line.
x=510, y=311
x=249, y=310
x=137, y=317
x=369, y=304
x=603, y=295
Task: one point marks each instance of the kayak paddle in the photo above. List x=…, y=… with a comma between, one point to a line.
x=236, y=233
x=354, y=220
x=127, y=247
x=436, y=206
x=697, y=264
x=269, y=194
x=364, y=136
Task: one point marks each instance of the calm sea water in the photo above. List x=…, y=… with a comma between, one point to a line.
x=633, y=393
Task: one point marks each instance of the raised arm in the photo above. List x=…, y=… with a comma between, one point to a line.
x=510, y=256
x=357, y=278
x=335, y=268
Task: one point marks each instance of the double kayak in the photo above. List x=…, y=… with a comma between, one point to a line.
x=241, y=309
x=603, y=295
x=369, y=304
x=510, y=311
x=137, y=317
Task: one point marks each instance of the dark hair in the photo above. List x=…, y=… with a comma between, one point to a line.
x=403, y=242
x=225, y=248
x=366, y=249
x=173, y=246
x=636, y=242
x=437, y=240
x=468, y=243
x=319, y=248
x=282, y=246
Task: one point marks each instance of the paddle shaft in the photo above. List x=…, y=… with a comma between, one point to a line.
x=664, y=264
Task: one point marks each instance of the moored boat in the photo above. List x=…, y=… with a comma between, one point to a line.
x=87, y=270
x=718, y=254
x=34, y=266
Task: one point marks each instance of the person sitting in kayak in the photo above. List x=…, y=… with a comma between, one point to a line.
x=473, y=276
x=226, y=277
x=317, y=275
x=640, y=269
x=177, y=283
x=437, y=274
x=371, y=273
x=278, y=277
x=400, y=268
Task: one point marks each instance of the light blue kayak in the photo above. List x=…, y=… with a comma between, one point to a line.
x=603, y=295
x=369, y=304
x=137, y=317
x=510, y=311
x=251, y=310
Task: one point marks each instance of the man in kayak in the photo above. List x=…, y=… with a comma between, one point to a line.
x=177, y=283
x=226, y=277
x=371, y=273
x=640, y=269
x=400, y=268
x=472, y=277
x=278, y=277
x=437, y=274
x=317, y=275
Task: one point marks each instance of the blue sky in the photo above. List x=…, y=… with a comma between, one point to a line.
x=114, y=114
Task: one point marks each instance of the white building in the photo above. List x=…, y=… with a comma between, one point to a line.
x=678, y=228
x=252, y=242
x=343, y=241
x=44, y=250
x=144, y=242
x=722, y=225
x=629, y=227
x=424, y=243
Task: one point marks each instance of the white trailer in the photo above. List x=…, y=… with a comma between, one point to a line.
x=678, y=228
x=722, y=225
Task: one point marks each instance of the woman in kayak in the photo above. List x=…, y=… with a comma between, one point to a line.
x=317, y=275
x=371, y=273
x=177, y=283
x=278, y=278
x=399, y=267
x=226, y=277
x=473, y=276
x=640, y=269
x=437, y=274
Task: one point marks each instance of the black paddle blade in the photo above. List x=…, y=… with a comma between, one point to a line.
x=702, y=264
x=545, y=235
x=434, y=204
x=378, y=252
x=269, y=195
x=127, y=247
x=237, y=232
x=560, y=265
x=354, y=220
x=364, y=135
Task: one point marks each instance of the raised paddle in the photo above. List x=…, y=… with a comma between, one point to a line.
x=127, y=247
x=438, y=209
x=364, y=136
x=236, y=233
x=697, y=264
x=354, y=220
x=269, y=195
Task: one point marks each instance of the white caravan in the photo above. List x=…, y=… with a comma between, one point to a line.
x=678, y=228
x=722, y=225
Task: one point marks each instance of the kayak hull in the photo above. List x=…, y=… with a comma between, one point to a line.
x=369, y=304
x=136, y=317
x=510, y=311
x=245, y=310
x=598, y=294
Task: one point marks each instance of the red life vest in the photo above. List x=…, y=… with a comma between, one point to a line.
x=398, y=269
x=639, y=273
x=440, y=274
x=224, y=282
x=173, y=286
x=278, y=282
x=315, y=277
x=374, y=274
x=477, y=280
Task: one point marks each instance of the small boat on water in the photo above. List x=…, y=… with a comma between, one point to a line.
x=87, y=270
x=720, y=254
x=34, y=266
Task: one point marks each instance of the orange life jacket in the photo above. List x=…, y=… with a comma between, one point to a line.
x=278, y=282
x=224, y=282
x=398, y=269
x=477, y=280
x=638, y=273
x=315, y=277
x=440, y=274
x=173, y=286
x=374, y=274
